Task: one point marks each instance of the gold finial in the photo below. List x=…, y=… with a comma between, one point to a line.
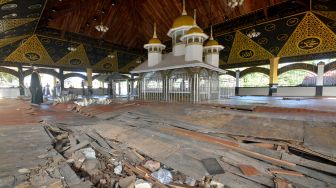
x=184, y=12
x=211, y=36
x=195, y=17
x=154, y=34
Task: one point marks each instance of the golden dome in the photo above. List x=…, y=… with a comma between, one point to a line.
x=212, y=43
x=183, y=20
x=154, y=41
x=194, y=30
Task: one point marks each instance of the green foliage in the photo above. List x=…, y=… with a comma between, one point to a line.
x=8, y=80
x=255, y=79
x=293, y=77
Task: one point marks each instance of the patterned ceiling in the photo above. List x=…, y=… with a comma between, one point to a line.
x=292, y=38
x=42, y=50
x=19, y=44
x=296, y=37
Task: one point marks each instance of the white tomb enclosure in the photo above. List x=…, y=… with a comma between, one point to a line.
x=181, y=75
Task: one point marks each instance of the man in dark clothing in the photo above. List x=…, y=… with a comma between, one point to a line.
x=83, y=89
x=36, y=89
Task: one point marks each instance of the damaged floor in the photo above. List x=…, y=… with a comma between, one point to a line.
x=145, y=144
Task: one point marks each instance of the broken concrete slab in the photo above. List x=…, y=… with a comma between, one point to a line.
x=127, y=182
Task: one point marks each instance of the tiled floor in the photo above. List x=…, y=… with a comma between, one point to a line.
x=323, y=104
x=23, y=141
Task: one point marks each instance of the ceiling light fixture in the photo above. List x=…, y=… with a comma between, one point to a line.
x=110, y=56
x=12, y=15
x=139, y=60
x=253, y=34
x=71, y=48
x=235, y=3
x=101, y=27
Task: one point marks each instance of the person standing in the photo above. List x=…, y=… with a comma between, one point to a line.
x=58, y=89
x=47, y=90
x=36, y=89
x=83, y=89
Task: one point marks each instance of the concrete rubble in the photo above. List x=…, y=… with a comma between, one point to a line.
x=132, y=145
x=105, y=162
x=108, y=163
x=91, y=101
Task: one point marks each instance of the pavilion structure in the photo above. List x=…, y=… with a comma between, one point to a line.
x=189, y=73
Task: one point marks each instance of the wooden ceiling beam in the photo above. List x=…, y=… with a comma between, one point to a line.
x=131, y=21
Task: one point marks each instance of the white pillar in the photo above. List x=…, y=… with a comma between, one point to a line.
x=119, y=88
x=132, y=86
x=320, y=72
x=237, y=82
x=237, y=78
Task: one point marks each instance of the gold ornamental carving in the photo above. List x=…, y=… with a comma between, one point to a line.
x=328, y=14
x=126, y=68
x=245, y=50
x=31, y=51
x=311, y=36
x=270, y=27
x=76, y=58
x=7, y=41
x=4, y=1
x=8, y=24
x=107, y=64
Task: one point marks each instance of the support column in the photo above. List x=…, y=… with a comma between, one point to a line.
x=119, y=88
x=89, y=80
x=21, y=80
x=128, y=89
x=196, y=87
x=237, y=82
x=319, y=79
x=164, y=86
x=61, y=77
x=54, y=87
x=132, y=87
x=273, y=77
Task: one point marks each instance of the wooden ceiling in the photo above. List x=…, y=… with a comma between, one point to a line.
x=131, y=21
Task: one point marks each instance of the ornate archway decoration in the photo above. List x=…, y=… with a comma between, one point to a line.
x=73, y=74
x=9, y=71
x=254, y=69
x=310, y=37
x=245, y=50
x=31, y=51
x=298, y=66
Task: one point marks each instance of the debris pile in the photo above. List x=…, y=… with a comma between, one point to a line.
x=108, y=163
x=91, y=101
x=231, y=159
x=174, y=153
x=65, y=98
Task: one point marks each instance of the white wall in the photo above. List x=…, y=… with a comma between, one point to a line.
x=179, y=49
x=329, y=91
x=194, y=52
x=212, y=59
x=296, y=92
x=253, y=91
x=79, y=91
x=9, y=92
x=154, y=58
